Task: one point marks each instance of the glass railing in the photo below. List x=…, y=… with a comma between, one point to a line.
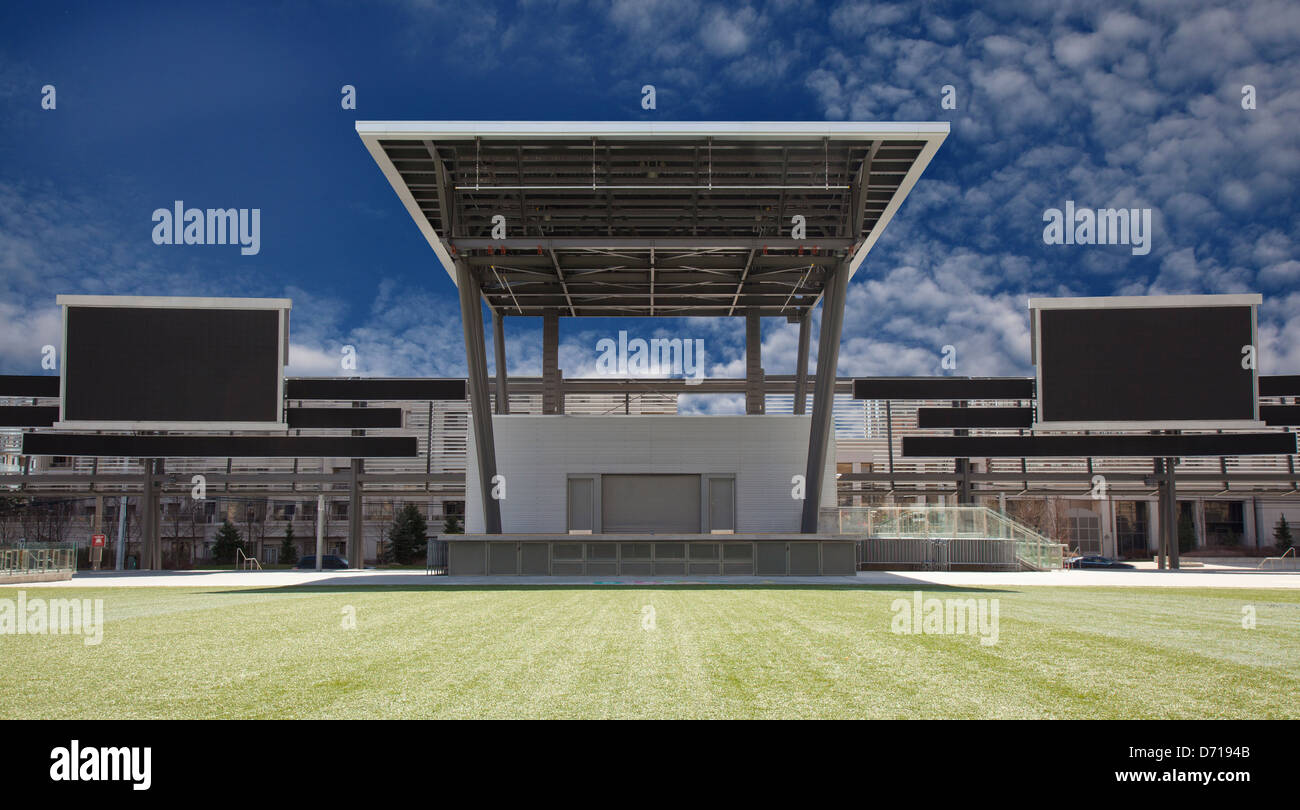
x=946, y=523
x=36, y=558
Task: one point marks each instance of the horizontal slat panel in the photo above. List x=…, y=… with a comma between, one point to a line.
x=20, y=385
x=19, y=416
x=974, y=417
x=1214, y=444
x=390, y=388
x=71, y=444
x=1280, y=415
x=345, y=418
x=943, y=388
x=1280, y=385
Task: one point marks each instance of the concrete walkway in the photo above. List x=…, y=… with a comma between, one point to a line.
x=1207, y=577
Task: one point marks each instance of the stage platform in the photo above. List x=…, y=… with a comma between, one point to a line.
x=769, y=555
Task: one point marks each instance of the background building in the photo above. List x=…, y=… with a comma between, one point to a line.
x=1239, y=518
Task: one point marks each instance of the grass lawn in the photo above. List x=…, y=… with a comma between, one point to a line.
x=713, y=651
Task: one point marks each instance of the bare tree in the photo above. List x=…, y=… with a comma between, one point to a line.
x=255, y=526
x=1047, y=516
x=134, y=533
x=382, y=512
x=11, y=520
x=181, y=520
x=46, y=521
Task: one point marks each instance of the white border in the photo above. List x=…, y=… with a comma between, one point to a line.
x=1149, y=301
x=283, y=305
x=1252, y=300
x=174, y=302
x=1240, y=424
x=837, y=130
x=371, y=132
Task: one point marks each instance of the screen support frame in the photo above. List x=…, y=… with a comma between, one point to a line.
x=1036, y=305
x=282, y=305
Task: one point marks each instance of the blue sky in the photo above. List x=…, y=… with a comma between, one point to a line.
x=234, y=105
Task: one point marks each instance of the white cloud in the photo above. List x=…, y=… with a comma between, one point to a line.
x=728, y=34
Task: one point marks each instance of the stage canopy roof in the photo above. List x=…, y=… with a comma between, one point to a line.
x=651, y=219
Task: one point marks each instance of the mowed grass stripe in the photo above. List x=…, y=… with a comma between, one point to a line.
x=711, y=651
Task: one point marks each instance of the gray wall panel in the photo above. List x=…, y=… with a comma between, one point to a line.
x=466, y=558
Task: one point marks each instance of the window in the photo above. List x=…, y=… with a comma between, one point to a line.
x=453, y=509
x=1225, y=523
x=1131, y=538
x=1085, y=531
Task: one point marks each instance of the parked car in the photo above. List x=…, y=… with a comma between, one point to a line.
x=330, y=561
x=1095, y=562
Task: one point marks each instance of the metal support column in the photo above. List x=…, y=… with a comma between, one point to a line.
x=1162, y=508
x=964, y=497
x=119, y=553
x=99, y=526
x=320, y=532
x=962, y=466
x=356, y=538
x=356, y=508
x=150, y=546
x=552, y=401
x=801, y=365
x=828, y=355
x=753, y=363
x=471, y=315
x=1172, y=485
x=499, y=347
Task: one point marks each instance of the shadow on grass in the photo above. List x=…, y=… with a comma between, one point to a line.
x=639, y=586
x=350, y=581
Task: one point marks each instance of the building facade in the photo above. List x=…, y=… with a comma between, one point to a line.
x=1118, y=520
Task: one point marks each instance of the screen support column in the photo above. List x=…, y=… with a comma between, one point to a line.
x=356, y=540
x=356, y=505
x=828, y=355
x=962, y=466
x=471, y=316
x=1162, y=509
x=150, y=546
x=1171, y=487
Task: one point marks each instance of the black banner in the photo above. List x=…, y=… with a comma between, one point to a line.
x=252, y=761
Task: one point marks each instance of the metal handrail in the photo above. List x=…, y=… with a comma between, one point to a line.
x=1288, y=553
x=951, y=523
x=26, y=559
x=243, y=562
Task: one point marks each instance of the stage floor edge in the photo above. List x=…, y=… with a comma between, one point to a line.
x=748, y=554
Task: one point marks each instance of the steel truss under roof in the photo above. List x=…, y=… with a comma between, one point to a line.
x=641, y=219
